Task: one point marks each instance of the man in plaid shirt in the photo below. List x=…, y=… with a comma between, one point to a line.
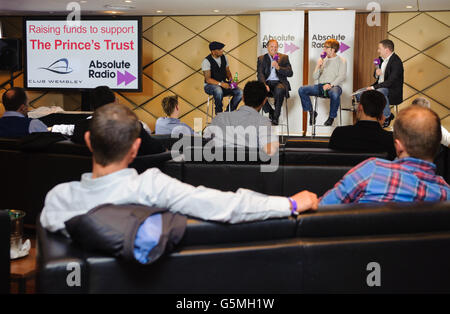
x=409, y=178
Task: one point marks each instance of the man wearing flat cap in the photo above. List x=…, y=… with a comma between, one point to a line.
x=218, y=77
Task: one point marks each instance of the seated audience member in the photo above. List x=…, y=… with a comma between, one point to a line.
x=366, y=135
x=421, y=101
x=114, y=142
x=410, y=178
x=101, y=96
x=15, y=122
x=245, y=127
x=165, y=125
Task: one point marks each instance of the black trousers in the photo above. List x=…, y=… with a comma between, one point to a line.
x=278, y=93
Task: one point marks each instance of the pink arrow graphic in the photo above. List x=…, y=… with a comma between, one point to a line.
x=290, y=48
x=127, y=77
x=343, y=47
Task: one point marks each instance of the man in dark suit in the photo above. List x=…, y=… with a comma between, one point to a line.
x=273, y=70
x=389, y=77
x=366, y=135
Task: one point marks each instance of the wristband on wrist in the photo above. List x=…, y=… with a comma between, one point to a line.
x=293, y=205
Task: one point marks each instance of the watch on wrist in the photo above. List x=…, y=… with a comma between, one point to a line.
x=220, y=83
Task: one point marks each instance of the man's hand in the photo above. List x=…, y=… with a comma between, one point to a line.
x=319, y=62
x=370, y=88
x=267, y=88
x=225, y=85
x=275, y=65
x=378, y=72
x=305, y=200
x=326, y=87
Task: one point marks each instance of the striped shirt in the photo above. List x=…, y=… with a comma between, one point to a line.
x=378, y=180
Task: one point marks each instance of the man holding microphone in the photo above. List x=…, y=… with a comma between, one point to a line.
x=330, y=72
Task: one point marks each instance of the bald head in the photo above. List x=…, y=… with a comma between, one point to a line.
x=14, y=98
x=419, y=130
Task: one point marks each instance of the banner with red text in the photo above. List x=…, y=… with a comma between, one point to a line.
x=95, y=52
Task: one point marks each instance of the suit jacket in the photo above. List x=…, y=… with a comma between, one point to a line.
x=393, y=79
x=148, y=144
x=364, y=136
x=285, y=71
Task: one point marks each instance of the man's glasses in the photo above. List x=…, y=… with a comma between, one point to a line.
x=326, y=47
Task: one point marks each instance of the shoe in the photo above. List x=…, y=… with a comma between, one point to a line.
x=271, y=113
x=275, y=121
x=388, y=121
x=311, y=119
x=329, y=122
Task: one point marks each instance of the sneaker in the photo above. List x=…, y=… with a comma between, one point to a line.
x=275, y=122
x=388, y=121
x=312, y=118
x=329, y=122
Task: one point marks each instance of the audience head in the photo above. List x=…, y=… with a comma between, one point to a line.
x=417, y=131
x=385, y=48
x=169, y=104
x=333, y=44
x=373, y=103
x=15, y=99
x=255, y=94
x=113, y=131
x=100, y=96
x=421, y=101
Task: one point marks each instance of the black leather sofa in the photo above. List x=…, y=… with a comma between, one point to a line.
x=5, y=235
x=31, y=172
x=329, y=251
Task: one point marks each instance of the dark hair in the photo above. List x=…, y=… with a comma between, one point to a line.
x=373, y=103
x=419, y=129
x=113, y=128
x=333, y=43
x=254, y=93
x=13, y=98
x=169, y=103
x=100, y=96
x=387, y=43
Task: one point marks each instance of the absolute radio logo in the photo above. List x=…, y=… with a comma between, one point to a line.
x=99, y=69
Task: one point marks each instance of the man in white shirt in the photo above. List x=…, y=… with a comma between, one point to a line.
x=114, y=142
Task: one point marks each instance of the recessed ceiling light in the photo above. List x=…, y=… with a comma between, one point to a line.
x=216, y=11
x=83, y=1
x=409, y=6
x=159, y=11
x=311, y=4
x=340, y=8
x=119, y=7
x=128, y=1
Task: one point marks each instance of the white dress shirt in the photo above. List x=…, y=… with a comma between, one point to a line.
x=154, y=188
x=383, y=69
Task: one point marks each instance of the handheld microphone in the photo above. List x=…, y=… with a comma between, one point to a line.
x=276, y=57
x=323, y=55
x=376, y=62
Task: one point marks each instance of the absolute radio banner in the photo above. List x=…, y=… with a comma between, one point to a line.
x=93, y=53
x=288, y=29
x=339, y=25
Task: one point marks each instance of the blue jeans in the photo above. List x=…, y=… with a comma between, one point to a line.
x=313, y=90
x=385, y=92
x=218, y=93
